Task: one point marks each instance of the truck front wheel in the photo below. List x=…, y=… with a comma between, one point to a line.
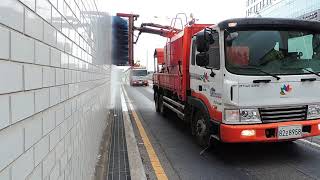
x=201, y=128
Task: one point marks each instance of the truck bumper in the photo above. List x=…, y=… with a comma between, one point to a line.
x=266, y=132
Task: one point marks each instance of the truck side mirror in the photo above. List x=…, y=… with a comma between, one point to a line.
x=202, y=59
x=203, y=40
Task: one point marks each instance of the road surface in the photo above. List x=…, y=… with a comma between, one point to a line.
x=180, y=155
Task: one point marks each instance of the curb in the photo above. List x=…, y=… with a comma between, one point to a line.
x=135, y=163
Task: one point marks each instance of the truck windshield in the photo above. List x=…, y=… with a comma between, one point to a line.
x=276, y=52
x=139, y=72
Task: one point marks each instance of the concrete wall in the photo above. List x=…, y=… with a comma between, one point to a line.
x=54, y=88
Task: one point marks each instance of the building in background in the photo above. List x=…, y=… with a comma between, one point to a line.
x=303, y=9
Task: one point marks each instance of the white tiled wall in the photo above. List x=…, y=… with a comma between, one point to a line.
x=54, y=88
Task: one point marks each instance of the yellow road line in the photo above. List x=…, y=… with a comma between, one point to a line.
x=156, y=165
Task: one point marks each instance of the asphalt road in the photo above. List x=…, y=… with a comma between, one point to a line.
x=180, y=155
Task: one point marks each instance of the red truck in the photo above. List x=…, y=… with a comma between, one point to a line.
x=242, y=80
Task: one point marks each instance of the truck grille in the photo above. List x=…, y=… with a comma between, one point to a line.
x=294, y=113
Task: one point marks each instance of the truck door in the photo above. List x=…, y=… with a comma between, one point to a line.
x=207, y=81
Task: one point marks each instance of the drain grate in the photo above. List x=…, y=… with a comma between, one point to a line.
x=118, y=165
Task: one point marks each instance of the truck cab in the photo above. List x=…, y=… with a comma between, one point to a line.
x=256, y=79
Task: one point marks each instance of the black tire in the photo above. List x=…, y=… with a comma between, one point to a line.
x=201, y=128
x=156, y=102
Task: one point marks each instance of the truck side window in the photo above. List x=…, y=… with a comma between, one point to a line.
x=301, y=44
x=193, y=53
x=214, y=52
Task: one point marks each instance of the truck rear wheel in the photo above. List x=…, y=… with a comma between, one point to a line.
x=156, y=102
x=201, y=128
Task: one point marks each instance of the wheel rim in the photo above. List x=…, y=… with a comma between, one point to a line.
x=200, y=128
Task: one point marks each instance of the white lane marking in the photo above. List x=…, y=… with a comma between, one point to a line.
x=137, y=171
x=309, y=142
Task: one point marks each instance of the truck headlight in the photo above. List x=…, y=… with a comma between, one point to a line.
x=313, y=111
x=242, y=116
x=232, y=116
x=249, y=115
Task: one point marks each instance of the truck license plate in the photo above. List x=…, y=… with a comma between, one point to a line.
x=288, y=132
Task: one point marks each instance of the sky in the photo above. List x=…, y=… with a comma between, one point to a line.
x=161, y=12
